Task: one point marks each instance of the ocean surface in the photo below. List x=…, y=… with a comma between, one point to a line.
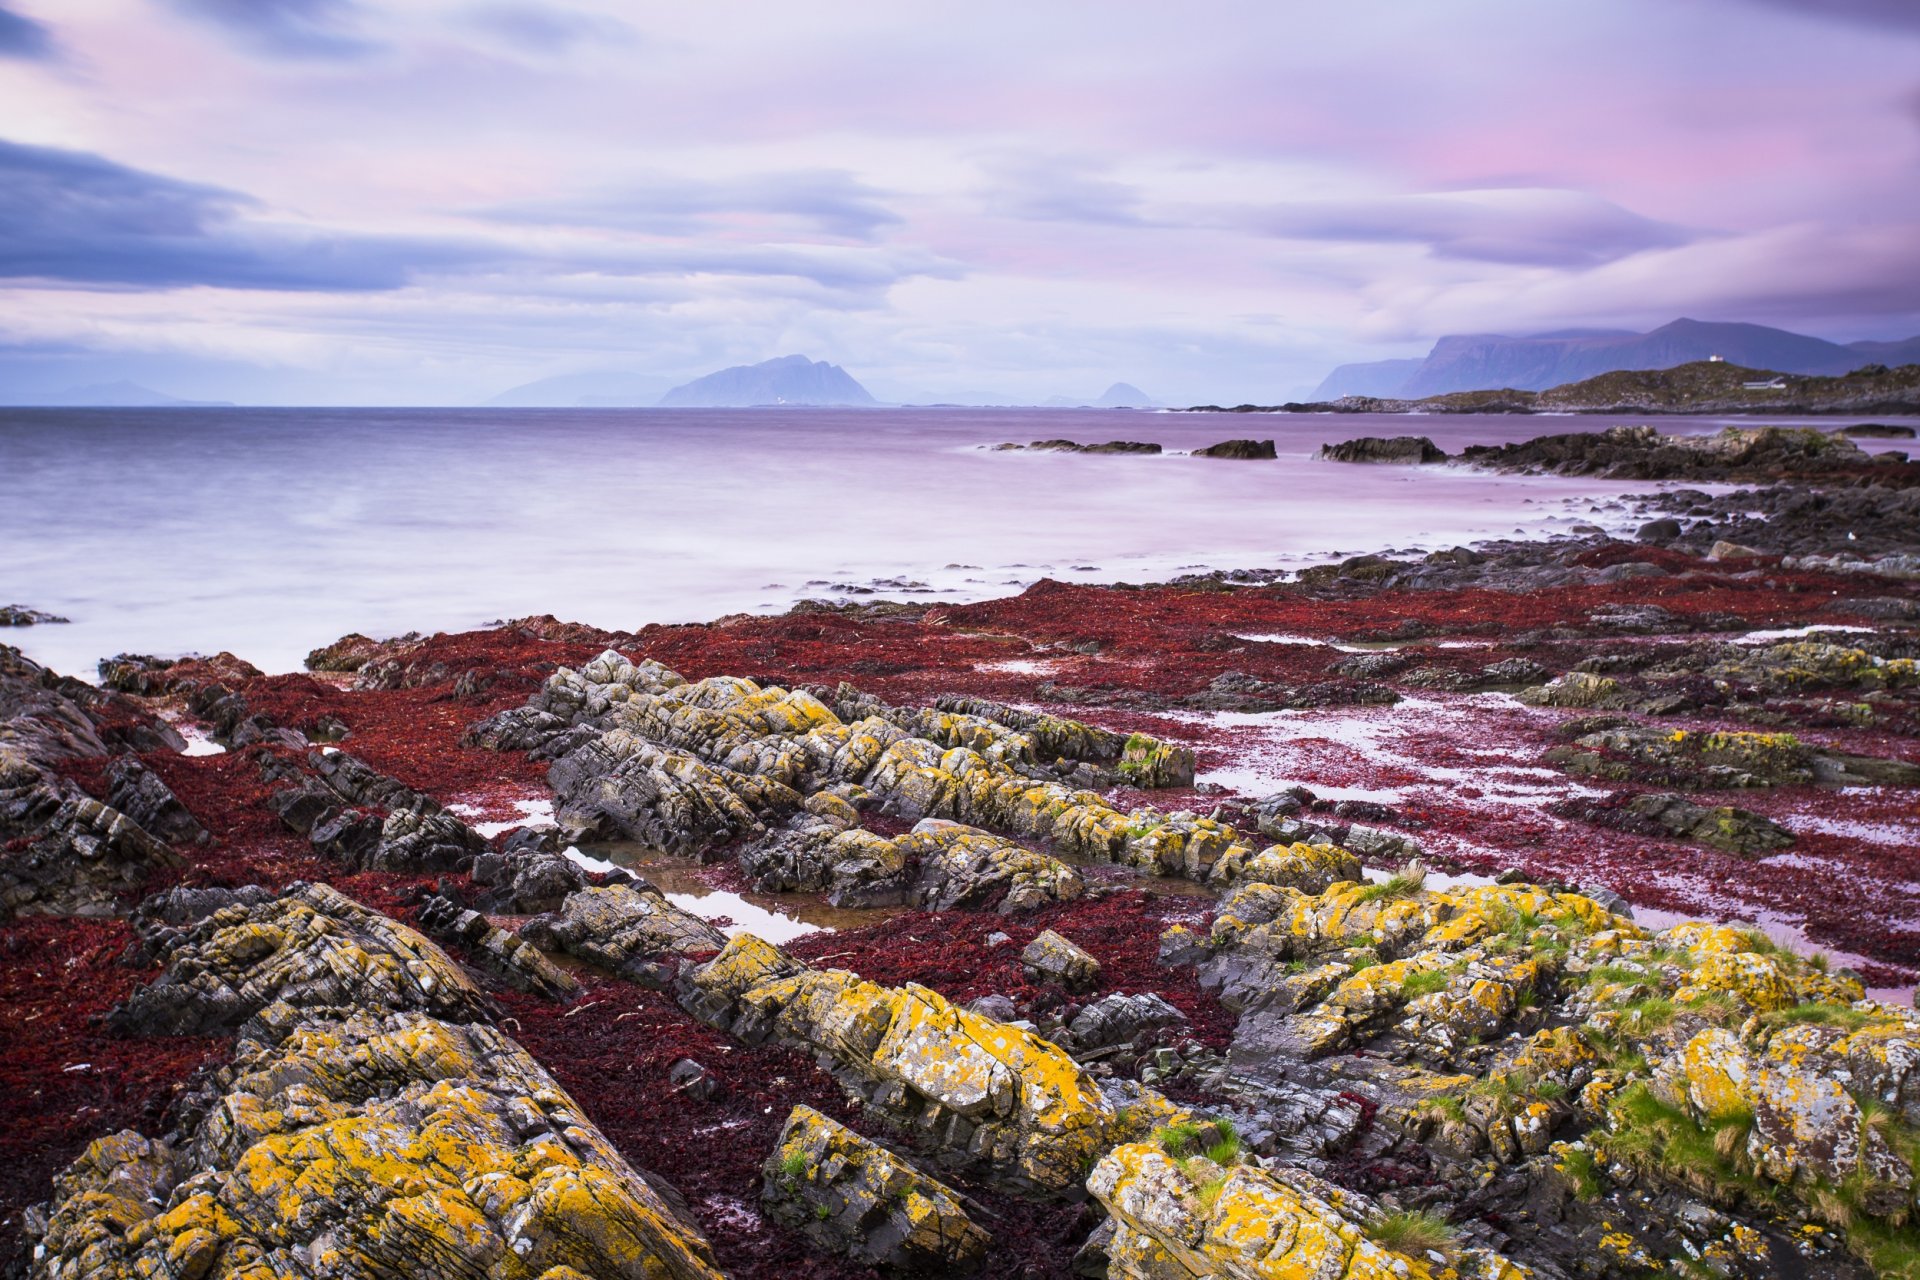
x=271, y=531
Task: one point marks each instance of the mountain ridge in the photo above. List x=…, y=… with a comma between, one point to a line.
x=1538, y=362
x=791, y=379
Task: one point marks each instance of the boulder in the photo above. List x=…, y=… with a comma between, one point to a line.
x=138, y=792
x=1052, y=958
x=853, y=1197
x=1238, y=449
x=1400, y=450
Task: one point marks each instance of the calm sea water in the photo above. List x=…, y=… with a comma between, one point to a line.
x=270, y=531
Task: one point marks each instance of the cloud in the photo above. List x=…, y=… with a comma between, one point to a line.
x=78, y=218
x=1522, y=226
x=541, y=28
x=1900, y=14
x=827, y=201
x=22, y=37
x=320, y=29
x=1037, y=191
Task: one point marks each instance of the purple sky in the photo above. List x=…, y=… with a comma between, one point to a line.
x=338, y=201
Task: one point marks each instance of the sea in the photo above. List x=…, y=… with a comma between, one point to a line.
x=268, y=532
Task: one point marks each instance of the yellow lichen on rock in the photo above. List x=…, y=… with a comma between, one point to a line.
x=369, y=1146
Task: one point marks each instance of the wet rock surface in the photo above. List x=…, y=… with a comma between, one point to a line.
x=1401, y=450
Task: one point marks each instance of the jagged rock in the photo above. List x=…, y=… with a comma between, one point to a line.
x=1723, y=827
x=372, y=1145
x=1240, y=449
x=356, y=815
x=528, y=874
x=1184, y=1220
x=310, y=948
x=1121, y=1020
x=1148, y=762
x=630, y=930
x=500, y=953
x=988, y=1095
x=138, y=792
x=1052, y=958
x=853, y=1197
x=1404, y=450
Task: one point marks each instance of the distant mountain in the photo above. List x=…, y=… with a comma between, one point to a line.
x=1475, y=362
x=1382, y=378
x=1124, y=395
x=585, y=390
x=122, y=395
x=787, y=380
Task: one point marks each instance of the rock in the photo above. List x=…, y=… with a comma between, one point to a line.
x=1148, y=762
x=362, y=1146
x=1239, y=449
x=1051, y=958
x=695, y=1081
x=987, y=1095
x=1310, y=868
x=138, y=792
x=1183, y=1220
x=528, y=874
x=1403, y=450
x=855, y=1198
x=352, y=813
x=998, y=1007
x=1121, y=1020
x=310, y=948
x=508, y=958
x=18, y=615
x=1576, y=689
x=349, y=653
x=1732, y=551
x=1660, y=531
x=75, y=856
x=1723, y=827
x=630, y=931
x=1877, y=431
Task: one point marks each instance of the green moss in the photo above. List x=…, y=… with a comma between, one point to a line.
x=1708, y=1159
x=1414, y=1232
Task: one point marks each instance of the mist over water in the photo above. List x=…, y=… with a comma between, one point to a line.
x=271, y=531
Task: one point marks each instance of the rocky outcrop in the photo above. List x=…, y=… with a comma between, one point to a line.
x=1674, y=817
x=938, y=866
x=982, y=1094
x=1400, y=450
x=358, y=816
x=641, y=754
x=1517, y=1038
x=1722, y=759
x=853, y=1197
x=18, y=615
x=1250, y=450
x=139, y=793
x=1643, y=453
x=311, y=947
x=510, y=959
x=1185, y=1219
x=356, y=1145
x=63, y=852
x=628, y=929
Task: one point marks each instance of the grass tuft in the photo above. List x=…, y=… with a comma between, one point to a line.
x=1414, y=1232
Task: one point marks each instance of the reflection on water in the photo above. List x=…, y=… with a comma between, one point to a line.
x=776, y=917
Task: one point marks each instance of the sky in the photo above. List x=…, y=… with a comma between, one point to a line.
x=432, y=201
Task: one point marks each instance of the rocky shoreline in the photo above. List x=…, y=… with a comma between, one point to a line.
x=1455, y=915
